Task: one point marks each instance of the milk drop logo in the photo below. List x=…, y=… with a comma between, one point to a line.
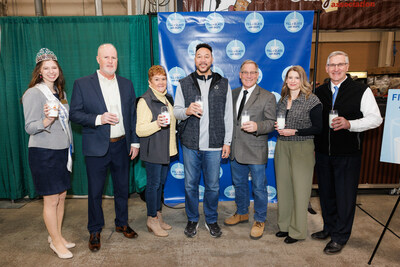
x=271, y=192
x=229, y=192
x=277, y=96
x=215, y=23
x=218, y=70
x=260, y=76
x=220, y=172
x=176, y=23
x=201, y=192
x=254, y=22
x=192, y=48
x=235, y=50
x=274, y=49
x=285, y=71
x=175, y=74
x=271, y=149
x=177, y=171
x=294, y=22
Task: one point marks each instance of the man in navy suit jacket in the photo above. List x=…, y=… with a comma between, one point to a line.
x=105, y=105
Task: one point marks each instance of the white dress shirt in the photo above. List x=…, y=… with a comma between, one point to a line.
x=249, y=91
x=110, y=91
x=371, y=115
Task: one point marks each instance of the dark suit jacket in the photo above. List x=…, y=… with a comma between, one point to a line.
x=87, y=102
x=252, y=148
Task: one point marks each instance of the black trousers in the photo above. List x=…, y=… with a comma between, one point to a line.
x=117, y=161
x=338, y=182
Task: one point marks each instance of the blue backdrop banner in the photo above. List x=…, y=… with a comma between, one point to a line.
x=275, y=40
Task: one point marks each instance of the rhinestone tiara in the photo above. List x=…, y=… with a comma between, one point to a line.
x=45, y=54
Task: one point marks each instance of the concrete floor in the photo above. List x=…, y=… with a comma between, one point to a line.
x=23, y=239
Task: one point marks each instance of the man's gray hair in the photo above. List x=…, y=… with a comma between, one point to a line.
x=338, y=53
x=249, y=61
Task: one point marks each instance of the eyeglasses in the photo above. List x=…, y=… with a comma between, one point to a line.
x=251, y=72
x=339, y=65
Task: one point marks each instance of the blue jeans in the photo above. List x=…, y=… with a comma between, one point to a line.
x=240, y=179
x=196, y=161
x=156, y=176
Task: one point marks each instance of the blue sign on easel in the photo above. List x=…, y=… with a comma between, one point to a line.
x=390, y=151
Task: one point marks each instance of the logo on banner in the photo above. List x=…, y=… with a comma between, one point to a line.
x=215, y=23
x=218, y=70
x=229, y=192
x=260, y=76
x=201, y=192
x=285, y=71
x=254, y=22
x=277, y=96
x=175, y=74
x=274, y=49
x=235, y=50
x=177, y=171
x=271, y=192
x=294, y=22
x=176, y=23
x=271, y=149
x=192, y=48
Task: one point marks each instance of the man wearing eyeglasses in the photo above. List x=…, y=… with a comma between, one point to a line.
x=249, y=153
x=338, y=148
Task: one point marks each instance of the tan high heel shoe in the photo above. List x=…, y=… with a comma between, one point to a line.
x=67, y=255
x=163, y=224
x=153, y=225
x=68, y=245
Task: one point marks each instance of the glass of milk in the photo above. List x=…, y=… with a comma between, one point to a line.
x=332, y=114
x=165, y=113
x=245, y=116
x=199, y=100
x=53, y=105
x=280, y=119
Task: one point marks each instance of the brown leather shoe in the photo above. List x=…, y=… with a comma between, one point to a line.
x=236, y=218
x=127, y=231
x=94, y=242
x=257, y=230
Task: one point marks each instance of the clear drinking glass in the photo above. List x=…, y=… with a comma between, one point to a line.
x=165, y=112
x=245, y=116
x=332, y=114
x=280, y=119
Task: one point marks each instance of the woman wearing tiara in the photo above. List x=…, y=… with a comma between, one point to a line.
x=50, y=144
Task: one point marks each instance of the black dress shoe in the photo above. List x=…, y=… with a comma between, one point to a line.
x=94, y=242
x=289, y=240
x=127, y=231
x=281, y=234
x=320, y=235
x=333, y=248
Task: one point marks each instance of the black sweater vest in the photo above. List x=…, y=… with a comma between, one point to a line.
x=348, y=102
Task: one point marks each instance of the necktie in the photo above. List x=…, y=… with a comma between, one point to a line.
x=334, y=95
x=242, y=104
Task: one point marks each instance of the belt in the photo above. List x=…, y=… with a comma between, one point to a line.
x=116, y=139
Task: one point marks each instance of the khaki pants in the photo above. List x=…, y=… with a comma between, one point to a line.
x=294, y=167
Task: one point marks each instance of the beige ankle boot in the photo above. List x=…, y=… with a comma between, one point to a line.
x=153, y=225
x=163, y=224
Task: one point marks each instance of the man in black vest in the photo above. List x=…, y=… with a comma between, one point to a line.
x=338, y=148
x=205, y=133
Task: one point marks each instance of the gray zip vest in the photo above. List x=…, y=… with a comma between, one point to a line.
x=189, y=129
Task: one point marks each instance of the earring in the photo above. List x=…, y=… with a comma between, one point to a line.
x=40, y=76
